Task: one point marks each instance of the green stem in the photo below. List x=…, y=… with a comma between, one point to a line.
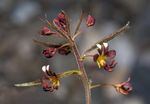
x=69, y=73
x=100, y=85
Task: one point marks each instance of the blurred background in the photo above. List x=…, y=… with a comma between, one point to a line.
x=21, y=59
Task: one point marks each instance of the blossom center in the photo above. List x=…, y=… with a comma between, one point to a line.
x=101, y=60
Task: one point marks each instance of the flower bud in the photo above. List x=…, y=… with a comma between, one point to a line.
x=124, y=88
x=49, y=52
x=64, y=50
x=90, y=21
x=61, y=16
x=46, y=31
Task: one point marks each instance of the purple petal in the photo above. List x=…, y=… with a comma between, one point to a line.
x=95, y=57
x=108, y=68
x=111, y=53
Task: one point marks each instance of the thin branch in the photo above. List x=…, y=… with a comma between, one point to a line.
x=77, y=34
x=109, y=37
x=29, y=84
x=69, y=73
x=44, y=44
x=100, y=85
x=79, y=23
x=83, y=76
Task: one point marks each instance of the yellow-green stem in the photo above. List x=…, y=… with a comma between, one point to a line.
x=100, y=85
x=69, y=73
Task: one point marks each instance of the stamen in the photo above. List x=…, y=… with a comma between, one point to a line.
x=105, y=45
x=47, y=68
x=44, y=68
x=99, y=46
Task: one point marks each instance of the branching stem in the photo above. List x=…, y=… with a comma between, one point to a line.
x=84, y=76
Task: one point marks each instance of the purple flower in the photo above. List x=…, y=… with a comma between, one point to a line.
x=105, y=57
x=50, y=80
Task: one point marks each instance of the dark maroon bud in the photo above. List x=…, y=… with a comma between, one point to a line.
x=90, y=21
x=46, y=31
x=61, y=16
x=49, y=52
x=64, y=50
x=124, y=88
x=56, y=23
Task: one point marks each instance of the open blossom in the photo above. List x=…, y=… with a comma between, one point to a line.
x=46, y=31
x=104, y=58
x=90, y=21
x=49, y=52
x=124, y=88
x=50, y=80
x=60, y=21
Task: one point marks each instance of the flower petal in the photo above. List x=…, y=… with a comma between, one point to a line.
x=95, y=57
x=111, y=53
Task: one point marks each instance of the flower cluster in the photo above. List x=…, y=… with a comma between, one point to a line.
x=60, y=26
x=50, y=80
x=105, y=57
x=60, y=21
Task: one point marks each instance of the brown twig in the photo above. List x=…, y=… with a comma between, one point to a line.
x=44, y=44
x=79, y=23
x=109, y=37
x=83, y=76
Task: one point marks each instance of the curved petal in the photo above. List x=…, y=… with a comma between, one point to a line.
x=111, y=53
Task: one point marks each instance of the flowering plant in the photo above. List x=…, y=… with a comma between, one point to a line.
x=60, y=26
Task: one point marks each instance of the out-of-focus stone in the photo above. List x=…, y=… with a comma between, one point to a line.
x=24, y=12
x=5, y=5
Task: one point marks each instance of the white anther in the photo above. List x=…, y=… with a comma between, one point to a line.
x=105, y=45
x=47, y=68
x=99, y=46
x=44, y=68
